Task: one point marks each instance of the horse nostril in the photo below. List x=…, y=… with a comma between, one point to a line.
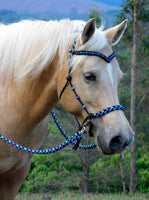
x=115, y=143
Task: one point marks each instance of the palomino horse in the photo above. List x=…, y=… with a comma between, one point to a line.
x=33, y=69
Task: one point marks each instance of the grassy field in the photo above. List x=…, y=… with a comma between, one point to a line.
x=78, y=196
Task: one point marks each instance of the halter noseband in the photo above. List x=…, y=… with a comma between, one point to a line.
x=90, y=116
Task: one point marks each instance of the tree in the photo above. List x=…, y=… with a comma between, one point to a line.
x=85, y=164
x=121, y=156
x=133, y=100
x=138, y=14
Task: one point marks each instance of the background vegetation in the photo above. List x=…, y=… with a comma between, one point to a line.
x=77, y=196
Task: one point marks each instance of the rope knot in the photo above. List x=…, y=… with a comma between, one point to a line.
x=78, y=137
x=91, y=116
x=68, y=78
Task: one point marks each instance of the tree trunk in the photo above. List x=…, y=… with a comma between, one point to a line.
x=85, y=179
x=133, y=102
x=121, y=156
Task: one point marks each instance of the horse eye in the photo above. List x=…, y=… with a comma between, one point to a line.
x=89, y=76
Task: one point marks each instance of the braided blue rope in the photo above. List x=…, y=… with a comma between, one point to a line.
x=68, y=140
x=46, y=151
x=94, y=53
x=83, y=147
x=72, y=50
x=93, y=115
x=88, y=53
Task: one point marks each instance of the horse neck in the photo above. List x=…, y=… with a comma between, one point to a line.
x=34, y=100
x=45, y=95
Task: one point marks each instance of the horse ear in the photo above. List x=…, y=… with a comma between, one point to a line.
x=88, y=30
x=114, y=34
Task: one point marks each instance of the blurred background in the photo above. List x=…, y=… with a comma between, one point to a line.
x=15, y=10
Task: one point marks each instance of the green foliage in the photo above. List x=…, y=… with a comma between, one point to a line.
x=124, y=56
x=143, y=169
x=143, y=14
x=53, y=172
x=142, y=8
x=105, y=173
x=94, y=13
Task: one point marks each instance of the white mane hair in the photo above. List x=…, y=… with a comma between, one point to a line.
x=28, y=46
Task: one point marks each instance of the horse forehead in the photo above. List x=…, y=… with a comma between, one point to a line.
x=107, y=50
x=96, y=63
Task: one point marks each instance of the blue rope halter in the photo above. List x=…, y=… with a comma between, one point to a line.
x=90, y=116
x=83, y=130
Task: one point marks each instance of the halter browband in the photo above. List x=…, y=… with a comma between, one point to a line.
x=88, y=53
x=90, y=116
x=94, y=53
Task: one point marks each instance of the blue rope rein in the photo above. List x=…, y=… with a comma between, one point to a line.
x=76, y=137
x=46, y=151
x=91, y=146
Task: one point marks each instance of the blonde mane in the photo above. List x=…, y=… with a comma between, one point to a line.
x=28, y=46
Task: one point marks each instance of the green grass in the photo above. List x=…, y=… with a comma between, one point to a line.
x=78, y=196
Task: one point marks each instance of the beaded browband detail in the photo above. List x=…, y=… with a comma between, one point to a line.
x=94, y=53
x=89, y=53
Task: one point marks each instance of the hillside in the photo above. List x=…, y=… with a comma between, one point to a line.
x=57, y=6
x=46, y=10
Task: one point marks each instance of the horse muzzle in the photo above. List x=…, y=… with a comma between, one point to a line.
x=116, y=144
x=112, y=139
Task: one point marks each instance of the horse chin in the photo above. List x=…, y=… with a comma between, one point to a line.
x=102, y=148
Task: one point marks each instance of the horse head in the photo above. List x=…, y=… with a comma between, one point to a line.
x=95, y=79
